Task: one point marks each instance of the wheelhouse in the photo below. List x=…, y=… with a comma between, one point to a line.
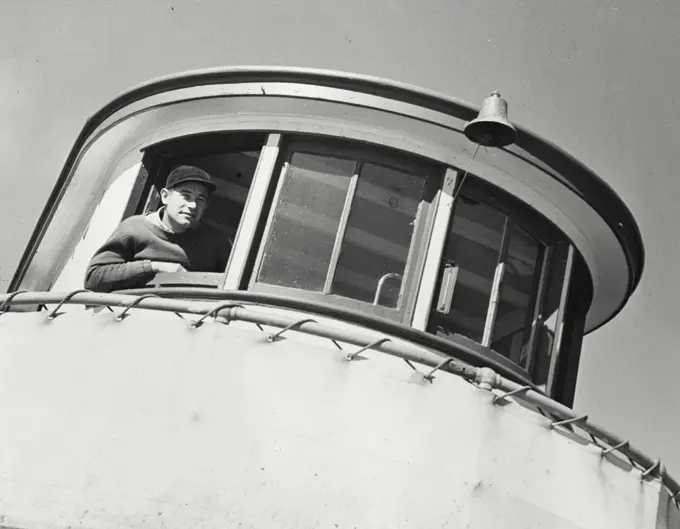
x=361, y=196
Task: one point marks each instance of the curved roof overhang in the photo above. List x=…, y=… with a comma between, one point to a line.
x=530, y=148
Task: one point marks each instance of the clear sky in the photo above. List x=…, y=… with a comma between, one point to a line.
x=600, y=78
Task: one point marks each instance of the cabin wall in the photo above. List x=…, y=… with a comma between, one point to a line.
x=147, y=422
x=326, y=112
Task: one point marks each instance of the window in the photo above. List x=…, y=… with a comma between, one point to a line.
x=348, y=225
x=517, y=295
x=470, y=258
x=299, y=247
x=502, y=268
x=230, y=159
x=577, y=295
x=548, y=314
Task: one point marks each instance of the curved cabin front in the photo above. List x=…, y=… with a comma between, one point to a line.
x=362, y=233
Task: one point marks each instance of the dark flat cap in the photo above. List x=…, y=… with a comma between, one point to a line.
x=189, y=173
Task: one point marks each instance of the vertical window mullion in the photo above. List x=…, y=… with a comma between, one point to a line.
x=538, y=307
x=245, y=234
x=557, y=342
x=342, y=228
x=496, y=286
x=435, y=250
x=411, y=257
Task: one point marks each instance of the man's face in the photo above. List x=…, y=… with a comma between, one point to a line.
x=185, y=204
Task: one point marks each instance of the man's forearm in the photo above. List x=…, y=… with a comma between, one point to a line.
x=116, y=276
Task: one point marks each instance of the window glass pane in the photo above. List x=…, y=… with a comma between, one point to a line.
x=305, y=222
x=512, y=328
x=547, y=325
x=472, y=249
x=379, y=230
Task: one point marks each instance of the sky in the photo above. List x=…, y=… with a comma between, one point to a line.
x=599, y=78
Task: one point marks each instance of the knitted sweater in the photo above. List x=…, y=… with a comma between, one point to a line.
x=124, y=261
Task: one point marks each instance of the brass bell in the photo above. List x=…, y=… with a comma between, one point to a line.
x=491, y=127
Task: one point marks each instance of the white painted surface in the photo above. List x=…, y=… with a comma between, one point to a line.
x=107, y=216
x=148, y=423
x=101, y=162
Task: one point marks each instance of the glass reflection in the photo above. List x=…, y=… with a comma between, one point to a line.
x=547, y=323
x=301, y=239
x=378, y=237
x=517, y=296
x=472, y=249
x=343, y=227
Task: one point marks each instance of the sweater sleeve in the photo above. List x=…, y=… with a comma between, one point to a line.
x=113, y=266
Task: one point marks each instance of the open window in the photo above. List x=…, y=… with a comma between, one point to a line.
x=230, y=159
x=348, y=225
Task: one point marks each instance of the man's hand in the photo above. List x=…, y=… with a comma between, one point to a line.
x=161, y=267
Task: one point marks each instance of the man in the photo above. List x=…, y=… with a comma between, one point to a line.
x=169, y=240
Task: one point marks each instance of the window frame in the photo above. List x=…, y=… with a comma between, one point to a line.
x=556, y=352
x=539, y=305
x=535, y=305
x=431, y=172
x=429, y=284
x=159, y=158
x=576, y=298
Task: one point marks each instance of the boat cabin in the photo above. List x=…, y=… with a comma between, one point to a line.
x=362, y=195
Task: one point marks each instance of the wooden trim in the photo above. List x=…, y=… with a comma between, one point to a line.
x=539, y=307
x=557, y=342
x=252, y=211
x=424, y=222
x=342, y=228
x=431, y=265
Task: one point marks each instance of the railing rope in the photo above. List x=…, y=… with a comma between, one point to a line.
x=622, y=444
x=296, y=324
x=572, y=420
x=499, y=398
x=376, y=343
x=124, y=313
x=66, y=298
x=7, y=302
